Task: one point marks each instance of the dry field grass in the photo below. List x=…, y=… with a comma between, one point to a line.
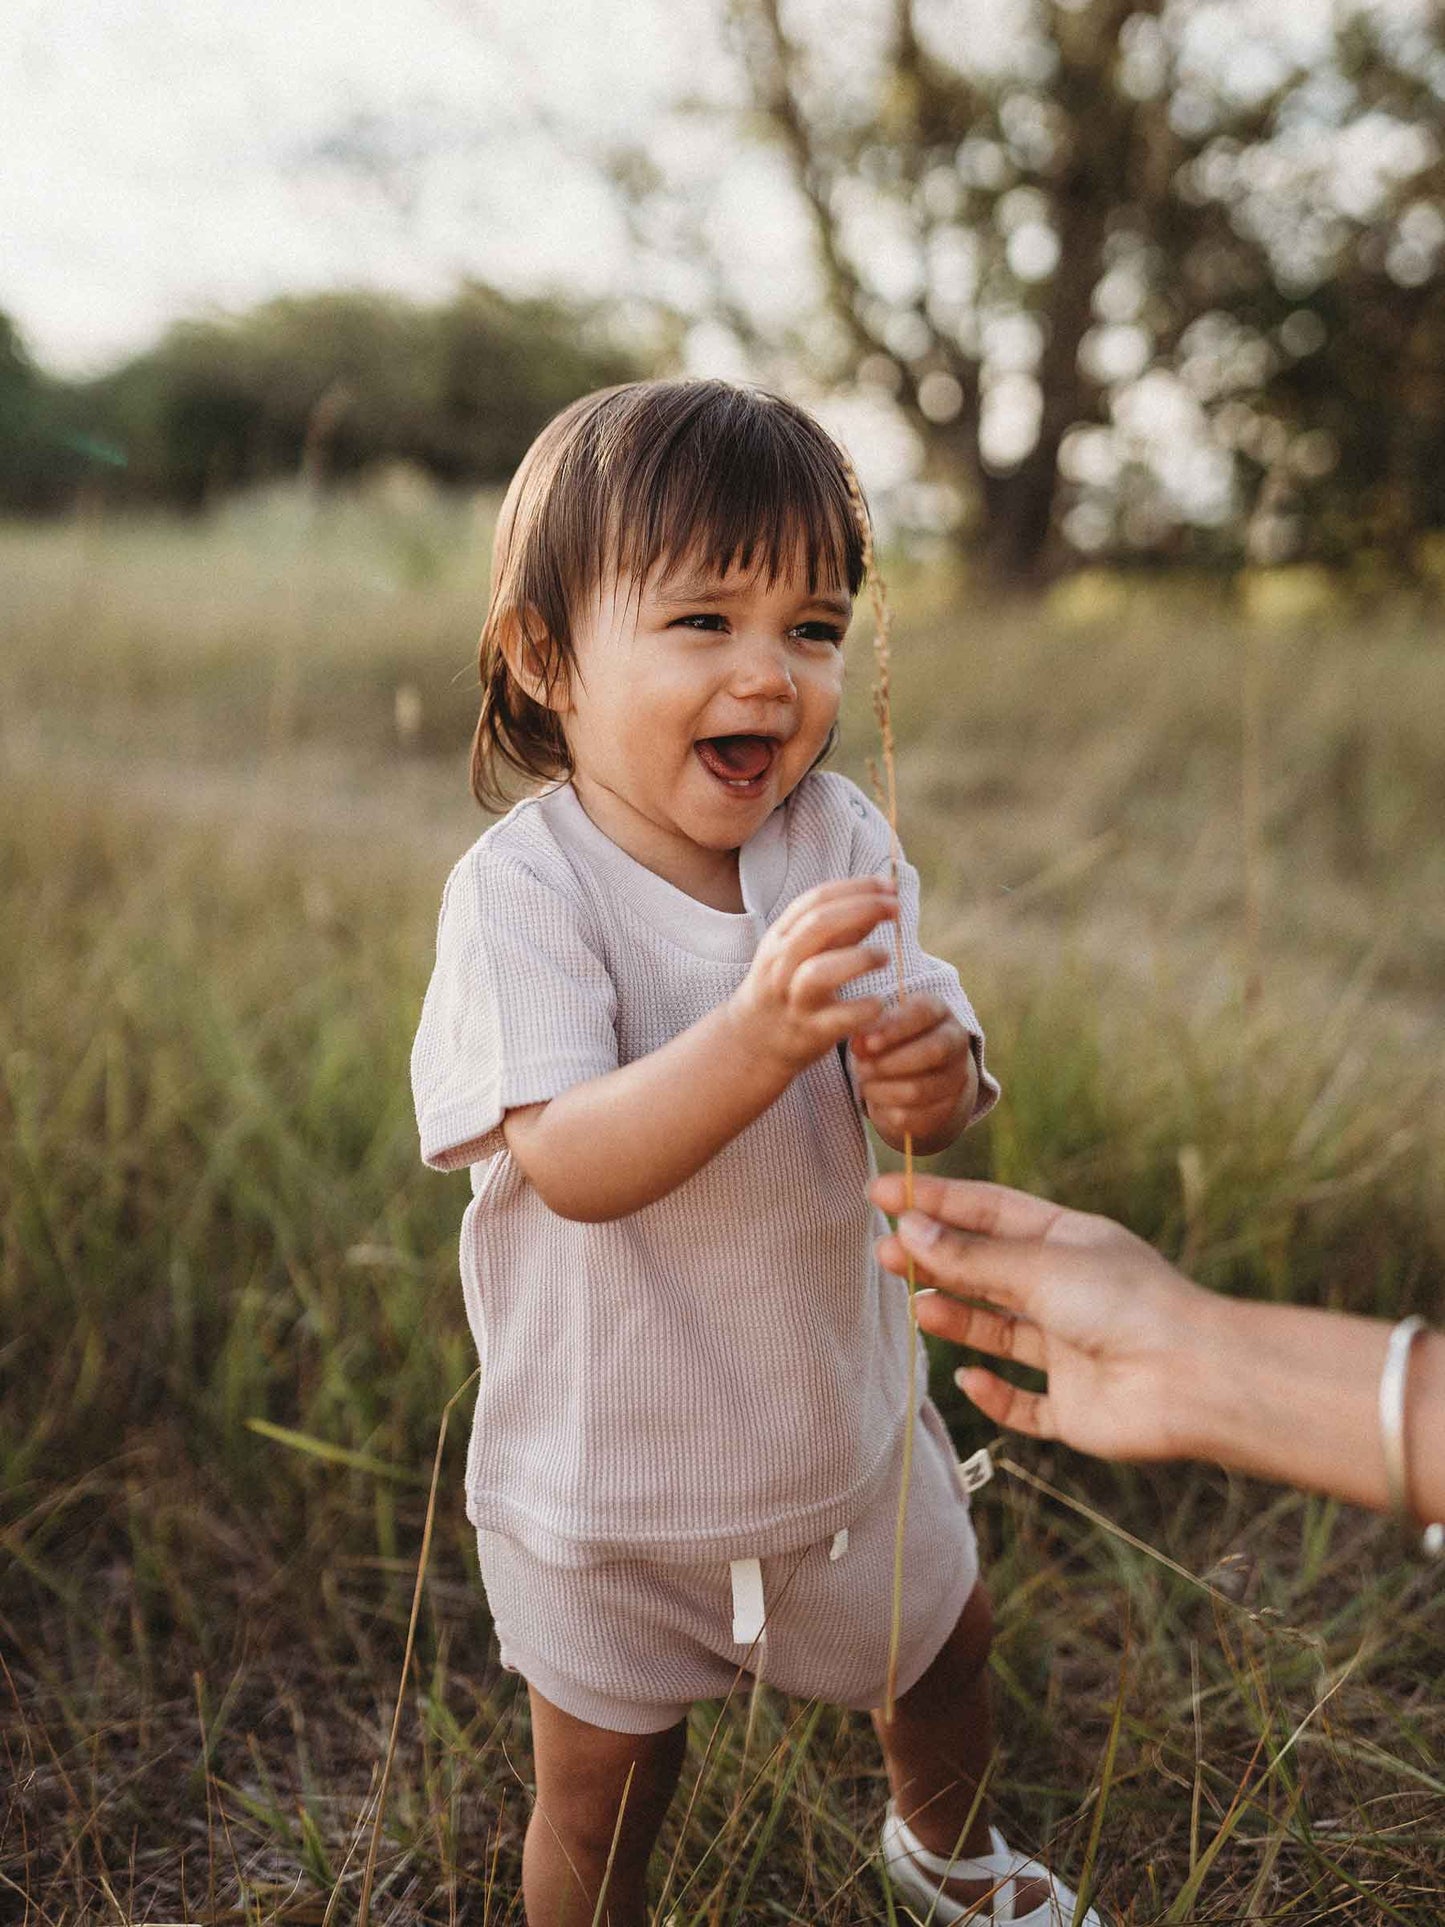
x=232, y=759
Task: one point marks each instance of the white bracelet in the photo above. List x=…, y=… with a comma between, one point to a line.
x=1393, y=1381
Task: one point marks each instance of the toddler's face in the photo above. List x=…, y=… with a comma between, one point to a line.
x=700, y=701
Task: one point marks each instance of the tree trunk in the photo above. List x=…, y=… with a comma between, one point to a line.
x=1014, y=550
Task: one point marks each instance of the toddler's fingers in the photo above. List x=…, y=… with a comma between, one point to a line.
x=937, y=1049
x=837, y=1022
x=917, y=1014
x=830, y=927
x=818, y=979
x=825, y=896
x=920, y=1125
x=910, y=1095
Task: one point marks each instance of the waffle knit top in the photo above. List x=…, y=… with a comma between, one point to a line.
x=723, y=1373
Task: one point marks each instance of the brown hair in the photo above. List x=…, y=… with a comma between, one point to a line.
x=629, y=477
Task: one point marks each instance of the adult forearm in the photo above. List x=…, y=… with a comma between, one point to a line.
x=1292, y=1394
x=617, y=1143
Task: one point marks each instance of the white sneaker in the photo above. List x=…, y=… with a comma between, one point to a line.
x=918, y=1875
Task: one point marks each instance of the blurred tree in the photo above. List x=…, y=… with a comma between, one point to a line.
x=19, y=405
x=1353, y=405
x=1113, y=258
x=325, y=384
x=41, y=462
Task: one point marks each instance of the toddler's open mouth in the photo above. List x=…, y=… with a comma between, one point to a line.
x=742, y=764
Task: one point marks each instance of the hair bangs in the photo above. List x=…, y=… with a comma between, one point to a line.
x=737, y=478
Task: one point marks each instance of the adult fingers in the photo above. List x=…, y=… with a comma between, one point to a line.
x=979, y=1327
x=990, y=1210
x=1007, y=1275
x=1005, y=1404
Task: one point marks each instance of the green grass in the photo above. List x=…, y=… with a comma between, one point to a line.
x=211, y=1215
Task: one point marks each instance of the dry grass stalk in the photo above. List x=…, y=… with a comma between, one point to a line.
x=888, y=800
x=1263, y=542
x=1252, y=822
x=363, y=1906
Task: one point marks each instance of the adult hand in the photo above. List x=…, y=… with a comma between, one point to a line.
x=1111, y=1322
x=1142, y=1364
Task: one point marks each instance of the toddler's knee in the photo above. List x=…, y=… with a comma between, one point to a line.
x=975, y=1624
x=582, y=1830
x=964, y=1658
x=973, y=1635
x=587, y=1811
x=578, y=1829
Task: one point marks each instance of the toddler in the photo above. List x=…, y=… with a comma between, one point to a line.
x=659, y=1016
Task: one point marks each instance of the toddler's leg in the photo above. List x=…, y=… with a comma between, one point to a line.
x=581, y=1771
x=938, y=1746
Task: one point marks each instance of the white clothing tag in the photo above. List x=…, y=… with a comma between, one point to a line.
x=748, y=1627
x=975, y=1471
x=840, y=1543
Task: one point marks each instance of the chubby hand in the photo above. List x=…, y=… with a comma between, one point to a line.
x=916, y=1073
x=787, y=1007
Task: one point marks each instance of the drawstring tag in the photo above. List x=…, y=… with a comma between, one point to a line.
x=748, y=1617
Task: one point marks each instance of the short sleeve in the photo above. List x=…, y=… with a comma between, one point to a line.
x=871, y=855
x=520, y=1007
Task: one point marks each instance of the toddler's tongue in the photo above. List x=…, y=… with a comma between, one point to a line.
x=741, y=758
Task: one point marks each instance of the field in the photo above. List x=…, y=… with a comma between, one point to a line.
x=1186, y=844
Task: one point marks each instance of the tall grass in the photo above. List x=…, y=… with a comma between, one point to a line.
x=229, y=1317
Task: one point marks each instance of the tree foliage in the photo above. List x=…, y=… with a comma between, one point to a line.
x=1116, y=257
x=44, y=457
x=324, y=384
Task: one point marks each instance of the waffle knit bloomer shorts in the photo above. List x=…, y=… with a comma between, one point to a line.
x=631, y=1644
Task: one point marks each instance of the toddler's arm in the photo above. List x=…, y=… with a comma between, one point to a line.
x=618, y=1142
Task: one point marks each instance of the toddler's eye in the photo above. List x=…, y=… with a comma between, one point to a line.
x=709, y=616
x=819, y=631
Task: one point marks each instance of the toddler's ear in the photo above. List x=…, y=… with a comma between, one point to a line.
x=533, y=659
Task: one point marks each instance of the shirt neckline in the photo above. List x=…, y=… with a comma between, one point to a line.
x=726, y=935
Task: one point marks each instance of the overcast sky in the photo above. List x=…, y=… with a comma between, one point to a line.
x=159, y=157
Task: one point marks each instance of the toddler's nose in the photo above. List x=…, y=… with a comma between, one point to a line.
x=765, y=671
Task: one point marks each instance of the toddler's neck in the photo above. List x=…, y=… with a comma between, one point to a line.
x=710, y=876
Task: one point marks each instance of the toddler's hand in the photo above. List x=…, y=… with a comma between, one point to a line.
x=788, y=1005
x=915, y=1070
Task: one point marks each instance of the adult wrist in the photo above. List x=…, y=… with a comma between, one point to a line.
x=1288, y=1392
x=1394, y=1427
x=1203, y=1405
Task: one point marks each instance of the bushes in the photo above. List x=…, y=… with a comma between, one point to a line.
x=326, y=384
